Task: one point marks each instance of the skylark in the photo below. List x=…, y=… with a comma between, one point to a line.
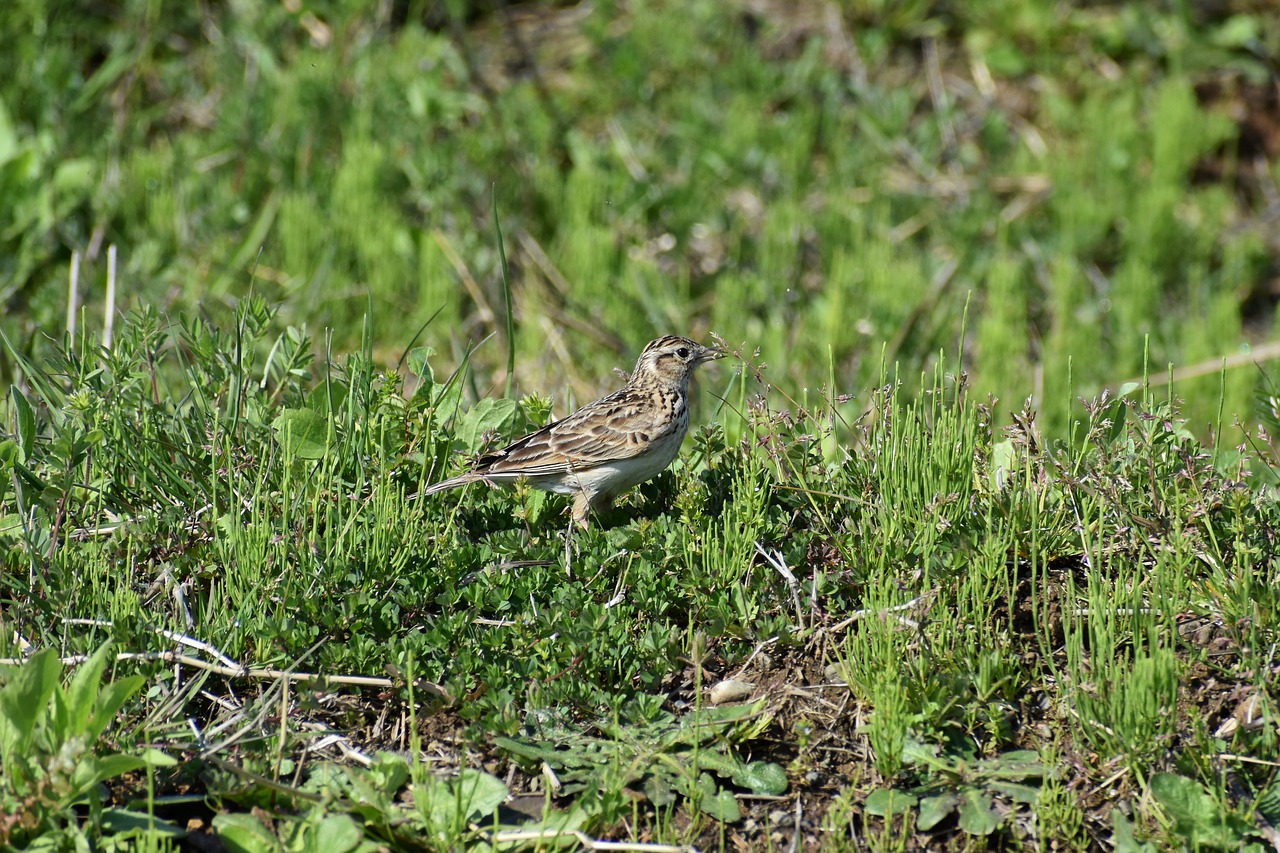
x=607, y=446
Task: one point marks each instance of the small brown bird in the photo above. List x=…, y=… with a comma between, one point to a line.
x=609, y=445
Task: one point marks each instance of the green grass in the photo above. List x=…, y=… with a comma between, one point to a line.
x=960, y=622
x=986, y=621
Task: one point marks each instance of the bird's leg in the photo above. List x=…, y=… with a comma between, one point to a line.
x=579, y=517
x=582, y=509
x=568, y=550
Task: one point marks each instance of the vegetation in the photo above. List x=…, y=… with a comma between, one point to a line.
x=870, y=607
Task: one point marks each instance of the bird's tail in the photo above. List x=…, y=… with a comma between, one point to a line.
x=445, y=485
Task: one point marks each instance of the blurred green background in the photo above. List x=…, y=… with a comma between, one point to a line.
x=1077, y=189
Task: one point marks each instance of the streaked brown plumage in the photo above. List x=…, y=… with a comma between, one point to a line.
x=609, y=445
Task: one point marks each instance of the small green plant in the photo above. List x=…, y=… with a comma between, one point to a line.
x=390, y=803
x=1204, y=822
x=51, y=752
x=315, y=830
x=1060, y=817
x=692, y=758
x=955, y=783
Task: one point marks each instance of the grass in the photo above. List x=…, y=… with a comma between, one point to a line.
x=932, y=623
x=945, y=620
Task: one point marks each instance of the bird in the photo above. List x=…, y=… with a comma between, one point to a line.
x=608, y=445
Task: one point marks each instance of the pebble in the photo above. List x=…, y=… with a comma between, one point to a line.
x=731, y=690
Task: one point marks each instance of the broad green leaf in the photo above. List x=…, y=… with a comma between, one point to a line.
x=762, y=777
x=1196, y=814
x=337, y=833
x=554, y=821
x=10, y=453
x=977, y=817
x=25, y=699
x=524, y=749
x=1128, y=388
x=1184, y=799
x=327, y=397
x=748, y=721
x=437, y=798
x=244, y=833
x=389, y=771
x=1018, y=762
x=124, y=821
x=489, y=415
x=723, y=807
x=1238, y=32
x=535, y=502
x=480, y=793
x=93, y=770
x=916, y=752
x=933, y=810
x=419, y=362
x=724, y=715
x=1122, y=835
x=26, y=421
x=724, y=765
x=363, y=790
x=303, y=433
x=472, y=796
x=60, y=840
x=443, y=397
x=447, y=398
x=109, y=701
x=716, y=802
x=152, y=757
x=1016, y=791
x=10, y=525
x=887, y=802
x=1003, y=460
x=658, y=788
x=738, y=722
x=83, y=691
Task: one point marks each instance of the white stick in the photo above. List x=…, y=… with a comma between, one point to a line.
x=73, y=296
x=109, y=321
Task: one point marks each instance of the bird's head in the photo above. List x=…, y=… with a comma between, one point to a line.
x=672, y=359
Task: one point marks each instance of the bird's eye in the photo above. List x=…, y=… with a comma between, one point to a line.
x=683, y=352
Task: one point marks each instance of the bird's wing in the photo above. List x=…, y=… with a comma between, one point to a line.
x=616, y=427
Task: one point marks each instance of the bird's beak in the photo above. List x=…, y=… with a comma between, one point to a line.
x=710, y=354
